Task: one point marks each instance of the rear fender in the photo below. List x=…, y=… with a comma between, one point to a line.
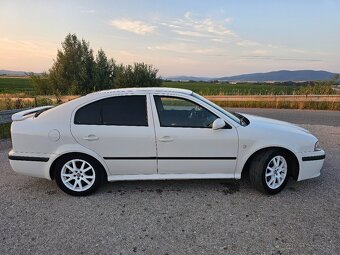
x=76, y=148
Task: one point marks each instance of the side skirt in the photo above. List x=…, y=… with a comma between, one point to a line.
x=136, y=177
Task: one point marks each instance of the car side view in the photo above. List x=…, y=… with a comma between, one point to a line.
x=157, y=134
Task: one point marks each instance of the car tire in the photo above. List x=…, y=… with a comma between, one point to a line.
x=78, y=175
x=269, y=171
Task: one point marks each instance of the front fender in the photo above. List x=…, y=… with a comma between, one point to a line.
x=246, y=151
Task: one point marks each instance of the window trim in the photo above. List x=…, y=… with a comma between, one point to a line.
x=101, y=113
x=227, y=126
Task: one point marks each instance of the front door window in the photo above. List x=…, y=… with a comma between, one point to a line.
x=180, y=112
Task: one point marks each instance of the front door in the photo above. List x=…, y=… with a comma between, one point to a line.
x=186, y=142
x=119, y=129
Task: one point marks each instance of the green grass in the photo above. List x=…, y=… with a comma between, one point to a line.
x=5, y=130
x=205, y=88
x=16, y=85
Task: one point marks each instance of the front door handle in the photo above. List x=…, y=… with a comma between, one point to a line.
x=91, y=138
x=166, y=139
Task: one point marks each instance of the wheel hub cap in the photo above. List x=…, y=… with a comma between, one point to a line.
x=276, y=172
x=78, y=175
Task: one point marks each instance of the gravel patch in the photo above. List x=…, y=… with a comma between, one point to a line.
x=174, y=217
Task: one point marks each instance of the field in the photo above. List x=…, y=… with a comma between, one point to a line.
x=16, y=85
x=19, y=93
x=205, y=88
x=24, y=85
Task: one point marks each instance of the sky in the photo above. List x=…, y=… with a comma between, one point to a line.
x=179, y=37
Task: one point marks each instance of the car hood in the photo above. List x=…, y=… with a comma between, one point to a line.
x=257, y=120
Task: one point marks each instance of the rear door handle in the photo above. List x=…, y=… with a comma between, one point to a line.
x=91, y=138
x=166, y=139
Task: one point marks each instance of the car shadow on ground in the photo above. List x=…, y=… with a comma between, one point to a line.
x=201, y=187
x=225, y=186
x=122, y=187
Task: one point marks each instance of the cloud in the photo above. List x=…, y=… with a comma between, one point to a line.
x=192, y=26
x=87, y=11
x=260, y=52
x=246, y=43
x=133, y=26
x=27, y=55
x=271, y=47
x=189, y=33
x=298, y=51
x=214, y=28
x=184, y=48
x=217, y=40
x=187, y=15
x=30, y=47
x=228, y=20
x=170, y=25
x=275, y=58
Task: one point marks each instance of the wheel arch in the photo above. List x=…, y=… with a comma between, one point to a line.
x=293, y=160
x=67, y=154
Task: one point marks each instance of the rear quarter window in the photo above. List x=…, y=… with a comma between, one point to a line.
x=89, y=115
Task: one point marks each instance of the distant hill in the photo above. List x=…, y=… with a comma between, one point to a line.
x=282, y=75
x=188, y=78
x=12, y=73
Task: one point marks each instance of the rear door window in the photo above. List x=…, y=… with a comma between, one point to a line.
x=115, y=111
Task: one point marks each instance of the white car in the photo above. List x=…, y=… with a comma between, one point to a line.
x=157, y=134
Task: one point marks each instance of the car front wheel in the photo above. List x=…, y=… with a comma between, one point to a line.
x=269, y=171
x=78, y=176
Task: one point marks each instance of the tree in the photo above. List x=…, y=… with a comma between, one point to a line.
x=319, y=87
x=104, y=71
x=137, y=75
x=73, y=70
x=41, y=84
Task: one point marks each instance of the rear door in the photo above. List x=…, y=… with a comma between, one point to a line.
x=186, y=143
x=119, y=129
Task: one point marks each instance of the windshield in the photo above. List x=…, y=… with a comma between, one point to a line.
x=218, y=108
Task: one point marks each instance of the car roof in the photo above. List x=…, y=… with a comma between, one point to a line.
x=143, y=90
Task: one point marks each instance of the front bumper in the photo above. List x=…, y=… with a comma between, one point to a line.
x=310, y=164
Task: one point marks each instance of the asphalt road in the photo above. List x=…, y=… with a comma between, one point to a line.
x=176, y=217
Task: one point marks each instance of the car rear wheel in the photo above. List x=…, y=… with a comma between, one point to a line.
x=269, y=171
x=78, y=176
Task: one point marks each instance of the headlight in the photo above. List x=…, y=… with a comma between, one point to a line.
x=317, y=146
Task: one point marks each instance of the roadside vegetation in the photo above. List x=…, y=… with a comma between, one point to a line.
x=5, y=130
x=307, y=105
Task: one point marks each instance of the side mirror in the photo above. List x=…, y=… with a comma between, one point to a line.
x=218, y=124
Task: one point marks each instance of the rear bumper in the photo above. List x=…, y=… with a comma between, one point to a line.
x=310, y=164
x=32, y=165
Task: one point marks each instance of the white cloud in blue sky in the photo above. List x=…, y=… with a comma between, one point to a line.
x=205, y=38
x=134, y=26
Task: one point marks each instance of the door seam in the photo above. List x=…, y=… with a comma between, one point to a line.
x=154, y=128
